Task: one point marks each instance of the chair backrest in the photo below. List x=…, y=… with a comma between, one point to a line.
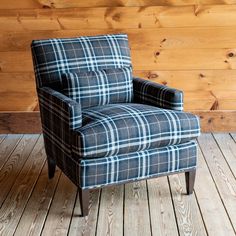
x=54, y=57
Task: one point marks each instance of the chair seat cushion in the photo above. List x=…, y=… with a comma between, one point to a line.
x=128, y=127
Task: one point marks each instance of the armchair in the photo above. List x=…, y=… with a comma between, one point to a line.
x=103, y=127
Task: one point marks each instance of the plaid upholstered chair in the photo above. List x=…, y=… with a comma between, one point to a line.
x=103, y=127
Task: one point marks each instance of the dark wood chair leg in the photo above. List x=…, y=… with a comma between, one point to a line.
x=84, y=201
x=51, y=168
x=190, y=179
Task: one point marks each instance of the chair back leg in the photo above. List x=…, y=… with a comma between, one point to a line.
x=190, y=179
x=51, y=167
x=84, y=201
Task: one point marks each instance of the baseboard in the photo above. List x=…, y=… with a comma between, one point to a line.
x=29, y=122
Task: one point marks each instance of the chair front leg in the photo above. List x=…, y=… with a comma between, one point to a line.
x=51, y=167
x=84, y=201
x=190, y=179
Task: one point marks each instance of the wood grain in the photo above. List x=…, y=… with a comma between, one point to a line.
x=20, y=122
x=213, y=211
x=2, y=137
x=173, y=59
x=136, y=203
x=159, y=38
x=192, y=80
x=228, y=147
x=57, y=222
x=117, y=17
x=161, y=208
x=111, y=211
x=11, y=4
x=204, y=90
x=221, y=173
x=205, y=212
x=85, y=225
x=18, y=92
x=14, y=164
x=217, y=121
x=187, y=212
x=7, y=146
x=29, y=122
x=20, y=192
x=35, y=213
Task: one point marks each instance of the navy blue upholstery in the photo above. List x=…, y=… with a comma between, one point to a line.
x=102, y=126
x=96, y=88
x=137, y=165
x=53, y=57
x=129, y=127
x=148, y=92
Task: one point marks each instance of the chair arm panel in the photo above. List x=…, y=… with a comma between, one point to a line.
x=157, y=95
x=60, y=115
x=61, y=108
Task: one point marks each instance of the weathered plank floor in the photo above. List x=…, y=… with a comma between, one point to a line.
x=30, y=204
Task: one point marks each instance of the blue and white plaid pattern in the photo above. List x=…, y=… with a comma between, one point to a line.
x=138, y=165
x=124, y=128
x=98, y=88
x=53, y=57
x=158, y=95
x=59, y=115
x=112, y=143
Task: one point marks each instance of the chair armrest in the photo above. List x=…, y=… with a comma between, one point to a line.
x=58, y=110
x=157, y=95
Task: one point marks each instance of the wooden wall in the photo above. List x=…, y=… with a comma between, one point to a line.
x=190, y=45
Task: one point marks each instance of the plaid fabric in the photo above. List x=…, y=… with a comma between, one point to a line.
x=59, y=115
x=97, y=88
x=138, y=165
x=111, y=143
x=158, y=95
x=124, y=128
x=53, y=57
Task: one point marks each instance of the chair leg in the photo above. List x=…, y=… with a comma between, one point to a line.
x=84, y=201
x=190, y=178
x=51, y=167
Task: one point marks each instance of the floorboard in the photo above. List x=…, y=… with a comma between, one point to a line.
x=31, y=204
x=221, y=174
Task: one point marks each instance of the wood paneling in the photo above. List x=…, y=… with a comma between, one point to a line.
x=12, y=4
x=189, y=45
x=158, y=38
x=20, y=122
x=29, y=122
x=118, y=17
x=155, y=59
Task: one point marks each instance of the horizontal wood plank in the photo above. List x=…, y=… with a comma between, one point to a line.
x=155, y=59
x=159, y=38
x=18, y=92
x=12, y=4
x=20, y=122
x=217, y=121
x=29, y=122
x=117, y=17
x=192, y=80
x=203, y=89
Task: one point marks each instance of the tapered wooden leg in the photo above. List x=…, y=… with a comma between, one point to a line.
x=51, y=168
x=190, y=179
x=84, y=201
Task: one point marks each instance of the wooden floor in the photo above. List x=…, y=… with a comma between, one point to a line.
x=30, y=204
